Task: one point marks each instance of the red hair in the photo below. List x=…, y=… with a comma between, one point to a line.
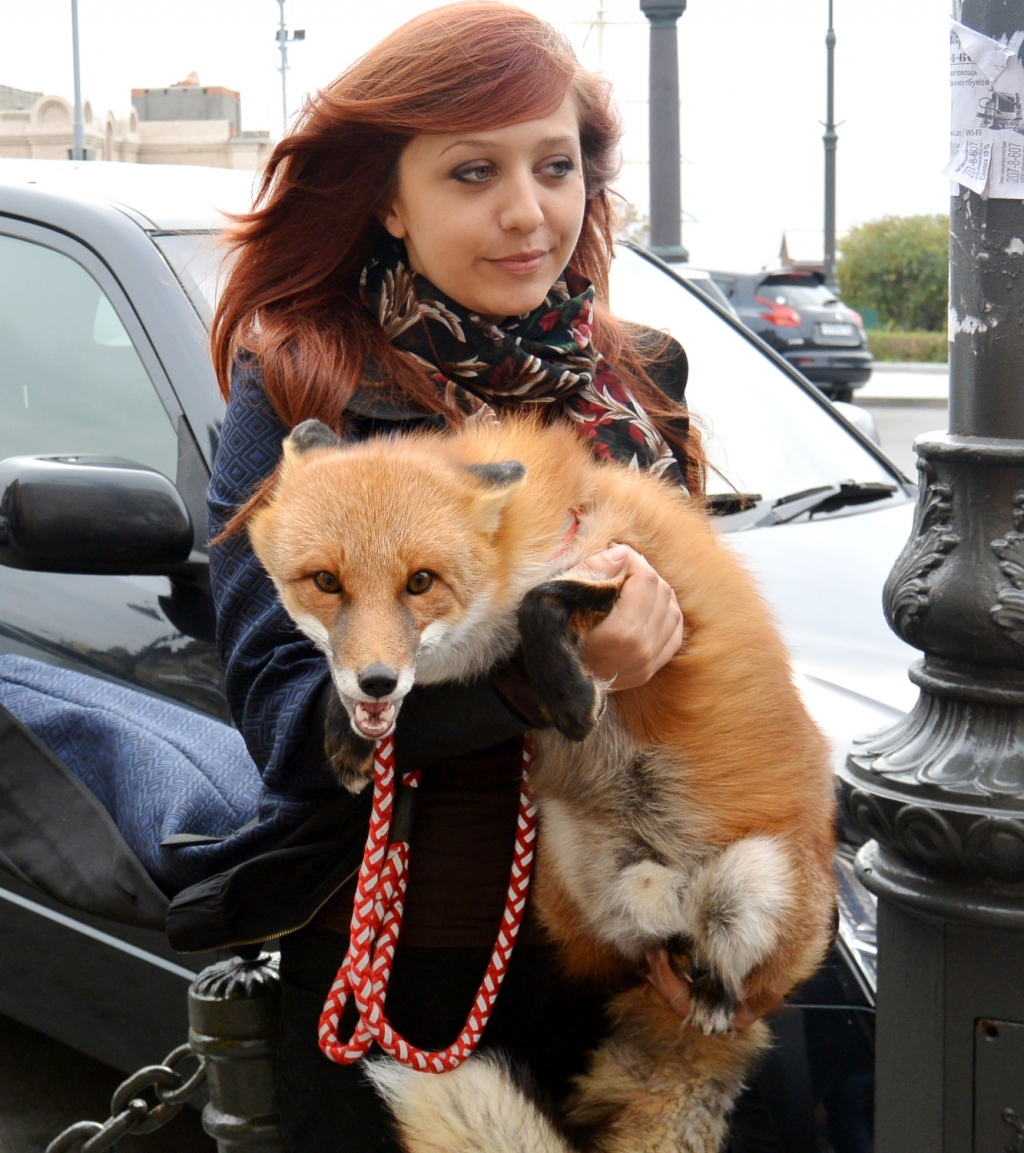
x=291, y=296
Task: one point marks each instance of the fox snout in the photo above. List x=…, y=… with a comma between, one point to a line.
x=378, y=680
x=372, y=696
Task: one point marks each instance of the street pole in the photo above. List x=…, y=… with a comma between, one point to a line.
x=942, y=792
x=282, y=43
x=830, y=139
x=78, y=149
x=663, y=120
x=283, y=38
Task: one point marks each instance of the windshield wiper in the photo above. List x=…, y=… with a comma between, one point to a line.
x=826, y=498
x=730, y=503
x=823, y=498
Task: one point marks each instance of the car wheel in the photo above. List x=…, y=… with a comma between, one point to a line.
x=841, y=392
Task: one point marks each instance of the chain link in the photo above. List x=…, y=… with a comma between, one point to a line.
x=132, y=1113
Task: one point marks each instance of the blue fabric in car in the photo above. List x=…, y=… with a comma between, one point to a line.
x=157, y=768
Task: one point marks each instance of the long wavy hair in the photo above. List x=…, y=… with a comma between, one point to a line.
x=291, y=294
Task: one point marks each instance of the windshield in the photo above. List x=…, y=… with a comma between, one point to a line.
x=764, y=435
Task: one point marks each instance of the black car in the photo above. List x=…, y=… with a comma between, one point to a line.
x=803, y=319
x=108, y=273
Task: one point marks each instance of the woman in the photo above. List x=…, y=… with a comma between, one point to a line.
x=466, y=158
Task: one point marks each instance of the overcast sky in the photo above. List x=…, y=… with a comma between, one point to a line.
x=752, y=90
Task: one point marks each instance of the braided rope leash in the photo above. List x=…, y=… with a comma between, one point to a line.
x=377, y=920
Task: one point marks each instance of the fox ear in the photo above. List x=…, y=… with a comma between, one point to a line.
x=502, y=479
x=307, y=436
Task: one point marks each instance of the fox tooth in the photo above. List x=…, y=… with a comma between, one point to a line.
x=374, y=720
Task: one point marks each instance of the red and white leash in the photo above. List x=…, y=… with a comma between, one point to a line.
x=377, y=919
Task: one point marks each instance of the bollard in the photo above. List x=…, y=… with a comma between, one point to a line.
x=233, y=1011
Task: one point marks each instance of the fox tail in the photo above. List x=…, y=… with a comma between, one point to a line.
x=475, y=1107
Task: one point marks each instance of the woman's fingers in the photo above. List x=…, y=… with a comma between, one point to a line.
x=645, y=627
x=604, y=565
x=677, y=993
x=663, y=977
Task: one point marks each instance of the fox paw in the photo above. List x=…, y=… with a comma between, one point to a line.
x=712, y=1006
x=552, y=620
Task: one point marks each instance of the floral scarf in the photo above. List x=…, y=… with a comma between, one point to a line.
x=543, y=358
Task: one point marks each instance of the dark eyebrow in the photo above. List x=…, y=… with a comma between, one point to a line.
x=547, y=142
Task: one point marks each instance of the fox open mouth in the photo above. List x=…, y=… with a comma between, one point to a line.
x=373, y=719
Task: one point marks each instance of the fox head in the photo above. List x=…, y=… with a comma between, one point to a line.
x=384, y=555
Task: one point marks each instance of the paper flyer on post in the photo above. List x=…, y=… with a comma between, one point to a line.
x=987, y=125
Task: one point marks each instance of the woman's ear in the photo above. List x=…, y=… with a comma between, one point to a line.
x=394, y=223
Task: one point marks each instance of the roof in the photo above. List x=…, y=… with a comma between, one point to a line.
x=173, y=197
x=802, y=248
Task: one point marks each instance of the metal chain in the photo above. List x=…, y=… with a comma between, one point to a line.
x=130, y=1112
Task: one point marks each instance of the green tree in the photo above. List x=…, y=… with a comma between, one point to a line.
x=899, y=265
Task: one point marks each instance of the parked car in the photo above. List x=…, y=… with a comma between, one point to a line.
x=799, y=316
x=108, y=278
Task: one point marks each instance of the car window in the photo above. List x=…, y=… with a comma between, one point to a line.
x=70, y=378
x=726, y=285
x=705, y=283
x=797, y=294
x=197, y=259
x=763, y=433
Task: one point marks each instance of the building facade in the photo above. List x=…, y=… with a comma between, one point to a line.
x=182, y=124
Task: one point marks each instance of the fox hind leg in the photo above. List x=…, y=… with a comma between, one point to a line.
x=553, y=618
x=739, y=902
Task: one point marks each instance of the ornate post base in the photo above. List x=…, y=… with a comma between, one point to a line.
x=233, y=1010
x=942, y=794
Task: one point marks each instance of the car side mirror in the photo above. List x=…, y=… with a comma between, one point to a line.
x=90, y=514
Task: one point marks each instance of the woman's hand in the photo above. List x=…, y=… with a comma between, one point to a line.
x=643, y=631
x=677, y=993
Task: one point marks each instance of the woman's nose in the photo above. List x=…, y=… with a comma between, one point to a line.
x=521, y=210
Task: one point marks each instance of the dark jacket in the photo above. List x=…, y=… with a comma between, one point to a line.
x=277, y=684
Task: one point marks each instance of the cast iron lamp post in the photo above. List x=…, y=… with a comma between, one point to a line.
x=663, y=120
x=942, y=791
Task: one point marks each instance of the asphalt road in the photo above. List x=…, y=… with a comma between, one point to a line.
x=898, y=425
x=45, y=1086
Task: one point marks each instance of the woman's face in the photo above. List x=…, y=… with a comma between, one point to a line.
x=491, y=218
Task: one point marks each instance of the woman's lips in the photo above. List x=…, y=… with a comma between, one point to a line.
x=522, y=263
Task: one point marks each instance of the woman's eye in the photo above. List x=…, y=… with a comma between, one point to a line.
x=420, y=582
x=474, y=174
x=559, y=167
x=327, y=582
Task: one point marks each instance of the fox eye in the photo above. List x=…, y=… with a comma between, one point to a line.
x=326, y=582
x=420, y=582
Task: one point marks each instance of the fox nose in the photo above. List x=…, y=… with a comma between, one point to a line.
x=378, y=680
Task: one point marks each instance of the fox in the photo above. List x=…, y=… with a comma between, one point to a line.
x=694, y=813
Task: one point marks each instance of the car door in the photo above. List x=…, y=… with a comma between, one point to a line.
x=78, y=374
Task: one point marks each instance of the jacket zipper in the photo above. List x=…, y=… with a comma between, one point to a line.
x=285, y=932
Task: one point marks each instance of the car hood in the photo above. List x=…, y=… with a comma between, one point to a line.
x=823, y=580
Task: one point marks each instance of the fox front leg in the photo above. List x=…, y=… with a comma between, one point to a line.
x=553, y=620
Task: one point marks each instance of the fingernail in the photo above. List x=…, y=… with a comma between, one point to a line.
x=616, y=552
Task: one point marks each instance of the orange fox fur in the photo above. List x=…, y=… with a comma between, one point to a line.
x=735, y=794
